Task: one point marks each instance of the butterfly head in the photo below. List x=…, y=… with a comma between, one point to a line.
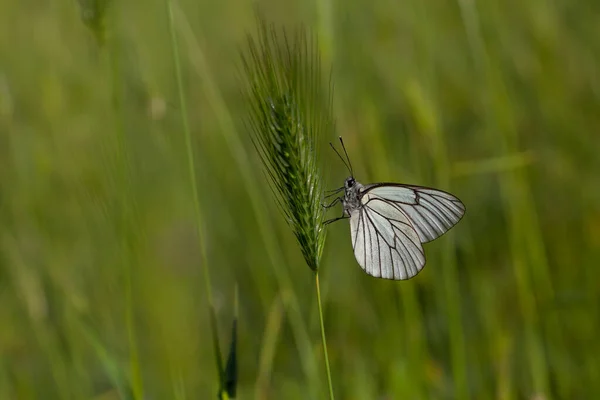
x=349, y=183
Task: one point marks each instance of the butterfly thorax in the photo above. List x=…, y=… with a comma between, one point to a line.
x=352, y=195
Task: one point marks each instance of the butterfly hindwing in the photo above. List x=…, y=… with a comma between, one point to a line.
x=385, y=243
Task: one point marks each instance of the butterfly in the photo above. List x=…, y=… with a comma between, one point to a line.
x=389, y=222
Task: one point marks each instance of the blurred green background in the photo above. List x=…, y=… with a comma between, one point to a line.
x=102, y=294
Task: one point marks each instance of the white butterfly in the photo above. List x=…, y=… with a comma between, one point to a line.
x=390, y=221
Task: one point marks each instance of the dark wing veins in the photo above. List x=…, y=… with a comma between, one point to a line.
x=405, y=254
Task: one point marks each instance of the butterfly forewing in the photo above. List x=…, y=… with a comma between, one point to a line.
x=431, y=212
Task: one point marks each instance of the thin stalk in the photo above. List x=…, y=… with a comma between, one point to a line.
x=323, y=338
x=94, y=16
x=265, y=230
x=136, y=383
x=194, y=188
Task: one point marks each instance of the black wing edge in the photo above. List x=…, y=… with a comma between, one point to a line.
x=371, y=186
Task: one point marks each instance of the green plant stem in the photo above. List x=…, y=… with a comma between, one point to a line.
x=136, y=381
x=193, y=185
x=323, y=338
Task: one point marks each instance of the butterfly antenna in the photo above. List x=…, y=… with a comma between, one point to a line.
x=341, y=158
x=347, y=158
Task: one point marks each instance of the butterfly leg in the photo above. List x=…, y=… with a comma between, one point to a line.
x=329, y=221
x=344, y=216
x=333, y=192
x=333, y=203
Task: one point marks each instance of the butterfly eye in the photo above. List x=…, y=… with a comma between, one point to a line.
x=350, y=182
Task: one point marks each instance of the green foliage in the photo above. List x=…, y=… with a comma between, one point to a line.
x=289, y=110
x=231, y=373
x=93, y=14
x=495, y=101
